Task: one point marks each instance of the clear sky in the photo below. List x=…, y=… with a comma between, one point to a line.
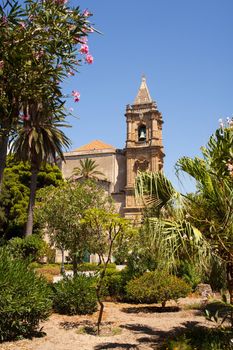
x=185, y=50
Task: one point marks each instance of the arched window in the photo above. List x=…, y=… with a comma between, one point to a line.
x=142, y=133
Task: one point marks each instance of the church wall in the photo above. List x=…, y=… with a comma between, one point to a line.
x=105, y=162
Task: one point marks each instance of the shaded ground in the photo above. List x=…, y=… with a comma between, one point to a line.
x=125, y=326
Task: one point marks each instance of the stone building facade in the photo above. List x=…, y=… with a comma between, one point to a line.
x=143, y=151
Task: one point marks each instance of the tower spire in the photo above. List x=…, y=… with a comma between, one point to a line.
x=143, y=95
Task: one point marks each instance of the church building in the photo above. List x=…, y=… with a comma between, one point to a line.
x=143, y=151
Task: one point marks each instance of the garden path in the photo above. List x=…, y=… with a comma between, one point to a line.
x=137, y=327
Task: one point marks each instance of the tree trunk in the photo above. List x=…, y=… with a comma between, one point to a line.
x=29, y=226
x=3, y=153
x=98, y=294
x=100, y=311
x=99, y=286
x=75, y=265
x=62, y=262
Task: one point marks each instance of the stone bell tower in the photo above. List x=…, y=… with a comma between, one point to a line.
x=144, y=147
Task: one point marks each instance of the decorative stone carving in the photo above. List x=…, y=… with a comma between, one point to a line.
x=141, y=165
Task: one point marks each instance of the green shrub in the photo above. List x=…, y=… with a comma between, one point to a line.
x=181, y=343
x=31, y=247
x=75, y=296
x=190, y=273
x=156, y=287
x=113, y=283
x=200, y=338
x=218, y=275
x=94, y=266
x=25, y=298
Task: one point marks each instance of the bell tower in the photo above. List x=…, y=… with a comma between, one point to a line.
x=144, y=147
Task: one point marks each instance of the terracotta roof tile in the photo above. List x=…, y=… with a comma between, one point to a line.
x=94, y=145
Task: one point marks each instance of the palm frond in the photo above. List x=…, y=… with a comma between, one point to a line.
x=157, y=191
x=176, y=241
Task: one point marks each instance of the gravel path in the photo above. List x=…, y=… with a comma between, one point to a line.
x=137, y=327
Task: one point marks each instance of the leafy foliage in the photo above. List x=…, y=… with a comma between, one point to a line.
x=30, y=248
x=62, y=209
x=104, y=227
x=114, y=283
x=211, y=208
x=38, y=49
x=75, y=296
x=15, y=194
x=201, y=338
x=25, y=298
x=190, y=273
x=202, y=221
x=156, y=287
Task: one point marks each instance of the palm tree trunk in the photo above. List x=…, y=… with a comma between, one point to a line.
x=3, y=154
x=29, y=226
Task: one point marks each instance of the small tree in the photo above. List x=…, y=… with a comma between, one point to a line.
x=105, y=227
x=61, y=211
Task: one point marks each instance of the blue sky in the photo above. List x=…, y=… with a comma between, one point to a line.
x=185, y=50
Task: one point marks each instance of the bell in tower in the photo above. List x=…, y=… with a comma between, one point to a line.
x=142, y=133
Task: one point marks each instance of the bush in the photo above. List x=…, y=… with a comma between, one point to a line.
x=156, y=287
x=25, y=298
x=190, y=273
x=201, y=338
x=218, y=275
x=94, y=266
x=113, y=283
x=75, y=296
x=31, y=247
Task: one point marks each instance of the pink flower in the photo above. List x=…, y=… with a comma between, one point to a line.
x=84, y=49
x=86, y=13
x=76, y=95
x=89, y=59
x=61, y=2
x=1, y=64
x=83, y=40
x=71, y=109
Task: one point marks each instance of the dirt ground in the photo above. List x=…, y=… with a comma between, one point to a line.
x=137, y=327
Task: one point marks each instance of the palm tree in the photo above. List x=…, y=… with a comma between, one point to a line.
x=38, y=140
x=87, y=170
x=209, y=212
x=170, y=236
